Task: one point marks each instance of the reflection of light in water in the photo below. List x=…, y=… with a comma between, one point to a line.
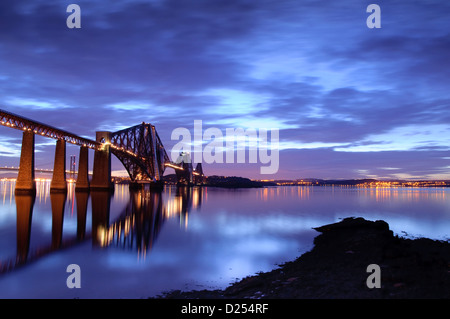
x=380, y=193
x=383, y=194
x=43, y=189
x=179, y=205
x=174, y=206
x=102, y=235
x=195, y=198
x=236, y=237
x=145, y=215
x=4, y=183
x=71, y=195
x=122, y=193
x=270, y=193
x=3, y=188
x=117, y=231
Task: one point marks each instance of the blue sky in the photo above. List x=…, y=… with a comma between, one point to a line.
x=349, y=101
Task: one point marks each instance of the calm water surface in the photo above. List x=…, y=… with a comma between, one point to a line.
x=139, y=244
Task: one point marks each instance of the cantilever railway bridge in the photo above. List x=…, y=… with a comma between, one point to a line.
x=139, y=149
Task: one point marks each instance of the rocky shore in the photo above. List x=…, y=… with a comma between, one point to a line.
x=337, y=268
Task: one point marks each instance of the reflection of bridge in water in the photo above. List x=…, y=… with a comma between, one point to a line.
x=144, y=216
x=135, y=229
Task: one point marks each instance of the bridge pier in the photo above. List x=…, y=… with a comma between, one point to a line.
x=101, y=179
x=101, y=204
x=25, y=180
x=83, y=170
x=59, y=183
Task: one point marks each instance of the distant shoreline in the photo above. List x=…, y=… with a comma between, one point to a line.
x=242, y=182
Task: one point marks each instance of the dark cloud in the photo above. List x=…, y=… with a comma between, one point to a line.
x=328, y=164
x=313, y=67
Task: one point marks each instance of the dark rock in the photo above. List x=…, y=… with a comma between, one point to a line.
x=418, y=268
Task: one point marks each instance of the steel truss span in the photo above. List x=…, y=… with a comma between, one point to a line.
x=141, y=152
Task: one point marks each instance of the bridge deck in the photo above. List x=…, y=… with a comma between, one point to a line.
x=24, y=124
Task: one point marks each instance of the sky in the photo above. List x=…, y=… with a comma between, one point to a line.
x=348, y=101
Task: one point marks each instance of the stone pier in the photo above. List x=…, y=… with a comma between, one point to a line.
x=25, y=180
x=83, y=170
x=59, y=183
x=101, y=179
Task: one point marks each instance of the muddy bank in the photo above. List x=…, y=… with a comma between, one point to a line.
x=337, y=268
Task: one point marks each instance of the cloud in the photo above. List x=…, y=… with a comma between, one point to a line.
x=8, y=149
x=36, y=104
x=312, y=69
x=406, y=138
